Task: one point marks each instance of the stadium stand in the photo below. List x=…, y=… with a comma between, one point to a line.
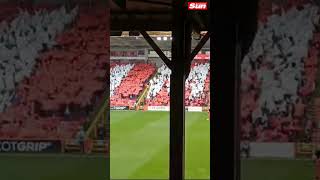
x=197, y=85
x=158, y=94
x=20, y=44
x=62, y=74
x=279, y=73
x=132, y=85
x=117, y=74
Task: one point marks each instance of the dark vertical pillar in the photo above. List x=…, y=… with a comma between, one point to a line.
x=223, y=97
x=233, y=32
x=237, y=104
x=181, y=47
x=188, y=47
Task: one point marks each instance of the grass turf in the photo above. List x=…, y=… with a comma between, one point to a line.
x=140, y=145
x=140, y=150
x=277, y=169
x=52, y=167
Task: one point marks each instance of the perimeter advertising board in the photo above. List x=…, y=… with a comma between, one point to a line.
x=30, y=146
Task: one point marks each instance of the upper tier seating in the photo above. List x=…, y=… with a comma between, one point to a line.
x=156, y=84
x=117, y=74
x=21, y=41
x=65, y=84
x=197, y=86
x=132, y=85
x=279, y=73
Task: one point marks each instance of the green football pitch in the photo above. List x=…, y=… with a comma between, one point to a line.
x=140, y=150
x=140, y=145
x=53, y=167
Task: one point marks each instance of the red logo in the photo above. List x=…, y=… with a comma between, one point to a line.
x=197, y=5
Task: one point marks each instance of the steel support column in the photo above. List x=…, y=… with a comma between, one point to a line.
x=181, y=40
x=223, y=106
x=233, y=32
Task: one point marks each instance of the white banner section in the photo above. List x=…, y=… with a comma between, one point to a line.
x=194, y=109
x=158, y=108
x=167, y=108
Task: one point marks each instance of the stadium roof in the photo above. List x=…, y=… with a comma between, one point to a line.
x=149, y=15
x=163, y=40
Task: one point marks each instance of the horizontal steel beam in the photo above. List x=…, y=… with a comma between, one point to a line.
x=200, y=45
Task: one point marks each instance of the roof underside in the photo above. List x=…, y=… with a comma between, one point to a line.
x=149, y=15
x=140, y=42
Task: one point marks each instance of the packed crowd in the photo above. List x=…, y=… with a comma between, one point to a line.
x=195, y=85
x=132, y=85
x=159, y=86
x=21, y=41
x=279, y=73
x=117, y=73
x=161, y=78
x=67, y=76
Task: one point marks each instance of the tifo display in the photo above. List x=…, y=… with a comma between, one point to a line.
x=139, y=84
x=53, y=66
